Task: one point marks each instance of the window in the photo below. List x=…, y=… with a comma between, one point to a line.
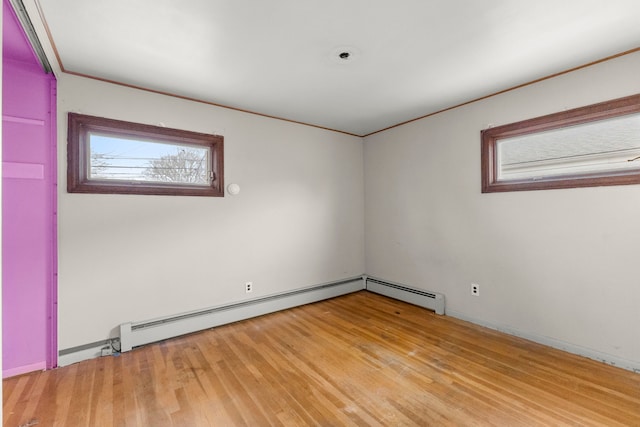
x=117, y=157
x=589, y=146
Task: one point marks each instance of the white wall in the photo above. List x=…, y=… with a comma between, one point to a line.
x=297, y=221
x=558, y=266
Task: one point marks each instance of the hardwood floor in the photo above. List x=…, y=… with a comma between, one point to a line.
x=361, y=359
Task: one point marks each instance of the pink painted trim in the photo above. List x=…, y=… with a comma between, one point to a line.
x=52, y=356
x=23, y=120
x=25, y=70
x=40, y=366
x=22, y=170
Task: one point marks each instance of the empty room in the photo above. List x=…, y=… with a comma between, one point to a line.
x=418, y=213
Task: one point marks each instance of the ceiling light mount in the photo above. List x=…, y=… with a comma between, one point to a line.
x=344, y=54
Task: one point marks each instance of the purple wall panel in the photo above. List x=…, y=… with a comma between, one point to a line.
x=28, y=219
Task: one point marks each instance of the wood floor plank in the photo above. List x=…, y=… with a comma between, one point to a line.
x=357, y=360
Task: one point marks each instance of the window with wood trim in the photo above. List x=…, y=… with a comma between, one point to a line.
x=589, y=146
x=118, y=157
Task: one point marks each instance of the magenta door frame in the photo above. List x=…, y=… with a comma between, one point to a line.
x=52, y=298
x=29, y=206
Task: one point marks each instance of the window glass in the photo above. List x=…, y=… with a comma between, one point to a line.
x=136, y=160
x=602, y=146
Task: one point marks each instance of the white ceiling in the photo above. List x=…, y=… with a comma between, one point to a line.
x=280, y=57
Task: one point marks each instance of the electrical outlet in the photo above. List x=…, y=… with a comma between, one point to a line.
x=248, y=287
x=475, y=289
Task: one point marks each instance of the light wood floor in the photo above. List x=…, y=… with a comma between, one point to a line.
x=361, y=359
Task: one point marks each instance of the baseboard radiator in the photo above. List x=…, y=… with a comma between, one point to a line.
x=134, y=334
x=431, y=300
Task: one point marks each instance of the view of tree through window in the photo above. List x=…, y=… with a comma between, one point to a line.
x=133, y=160
x=113, y=156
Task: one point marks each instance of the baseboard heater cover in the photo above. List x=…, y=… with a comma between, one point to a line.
x=431, y=300
x=134, y=334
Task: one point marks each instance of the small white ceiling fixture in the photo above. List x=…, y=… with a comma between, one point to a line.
x=345, y=54
x=353, y=66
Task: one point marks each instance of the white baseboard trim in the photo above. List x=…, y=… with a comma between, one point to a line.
x=609, y=359
x=140, y=333
x=84, y=352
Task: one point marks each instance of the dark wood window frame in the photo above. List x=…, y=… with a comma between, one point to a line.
x=591, y=113
x=79, y=128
